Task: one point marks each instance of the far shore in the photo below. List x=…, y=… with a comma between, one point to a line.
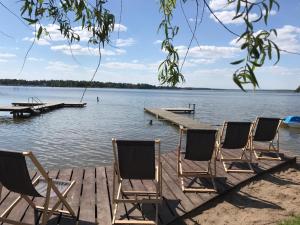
x=98, y=84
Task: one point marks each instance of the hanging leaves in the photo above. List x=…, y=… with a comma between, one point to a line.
x=258, y=45
x=95, y=18
x=168, y=70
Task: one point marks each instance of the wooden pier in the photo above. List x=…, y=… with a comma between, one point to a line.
x=19, y=109
x=177, y=119
x=190, y=110
x=91, y=197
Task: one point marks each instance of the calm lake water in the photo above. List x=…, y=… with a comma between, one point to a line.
x=73, y=137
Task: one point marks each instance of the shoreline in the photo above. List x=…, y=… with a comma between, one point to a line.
x=109, y=85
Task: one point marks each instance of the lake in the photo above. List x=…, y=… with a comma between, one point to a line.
x=72, y=137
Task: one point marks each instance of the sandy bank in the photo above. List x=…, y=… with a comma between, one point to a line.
x=273, y=198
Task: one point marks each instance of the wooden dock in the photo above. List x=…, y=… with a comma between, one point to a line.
x=19, y=109
x=91, y=197
x=177, y=119
x=183, y=110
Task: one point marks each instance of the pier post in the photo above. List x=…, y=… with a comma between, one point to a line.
x=194, y=107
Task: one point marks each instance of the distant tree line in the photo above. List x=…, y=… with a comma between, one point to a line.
x=74, y=83
x=298, y=89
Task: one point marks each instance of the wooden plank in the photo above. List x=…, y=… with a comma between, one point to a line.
x=26, y=103
x=87, y=212
x=73, y=198
x=64, y=174
x=30, y=216
x=188, y=199
x=14, y=108
x=177, y=119
x=184, y=200
x=164, y=213
x=121, y=212
x=18, y=212
x=104, y=213
x=189, y=165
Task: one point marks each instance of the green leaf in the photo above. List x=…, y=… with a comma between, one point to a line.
x=237, y=62
x=266, y=12
x=39, y=32
x=30, y=21
x=237, y=82
x=238, y=6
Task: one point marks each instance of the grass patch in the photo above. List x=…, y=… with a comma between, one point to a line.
x=291, y=221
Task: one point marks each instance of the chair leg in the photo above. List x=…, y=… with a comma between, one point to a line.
x=46, y=204
x=156, y=214
x=116, y=204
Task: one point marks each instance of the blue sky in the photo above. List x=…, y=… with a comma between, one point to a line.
x=138, y=53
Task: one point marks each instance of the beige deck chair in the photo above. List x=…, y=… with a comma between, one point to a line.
x=15, y=177
x=136, y=160
x=200, y=146
x=266, y=131
x=235, y=136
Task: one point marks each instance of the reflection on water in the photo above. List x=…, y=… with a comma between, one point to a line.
x=82, y=136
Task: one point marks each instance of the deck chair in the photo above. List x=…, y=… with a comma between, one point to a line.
x=136, y=160
x=14, y=176
x=234, y=136
x=265, y=130
x=200, y=146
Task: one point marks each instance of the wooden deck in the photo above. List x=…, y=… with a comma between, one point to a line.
x=180, y=110
x=15, y=108
x=177, y=119
x=91, y=196
x=18, y=109
x=26, y=103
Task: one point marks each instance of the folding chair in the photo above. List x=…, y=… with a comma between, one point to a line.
x=200, y=146
x=266, y=130
x=135, y=160
x=14, y=176
x=234, y=136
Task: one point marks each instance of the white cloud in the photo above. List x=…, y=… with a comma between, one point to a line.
x=220, y=4
x=77, y=49
x=224, y=5
x=125, y=42
x=33, y=59
x=55, y=35
x=288, y=38
x=269, y=77
x=4, y=57
x=58, y=66
x=157, y=42
x=227, y=15
x=207, y=54
x=280, y=71
x=131, y=66
x=41, y=41
x=120, y=27
x=225, y=12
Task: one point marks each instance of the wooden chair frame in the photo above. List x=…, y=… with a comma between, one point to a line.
x=273, y=147
x=242, y=158
x=208, y=173
x=136, y=196
x=46, y=211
